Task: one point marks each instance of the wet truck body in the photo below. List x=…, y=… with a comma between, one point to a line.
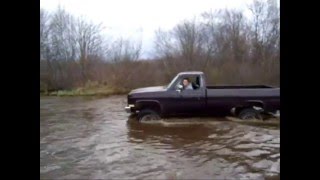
x=244, y=101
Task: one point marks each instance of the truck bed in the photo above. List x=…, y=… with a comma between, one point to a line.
x=223, y=98
x=239, y=87
x=243, y=91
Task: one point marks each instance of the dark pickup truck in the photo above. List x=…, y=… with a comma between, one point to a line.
x=243, y=101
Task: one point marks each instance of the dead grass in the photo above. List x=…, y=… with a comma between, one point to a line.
x=91, y=89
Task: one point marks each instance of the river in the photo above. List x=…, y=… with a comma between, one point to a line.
x=93, y=138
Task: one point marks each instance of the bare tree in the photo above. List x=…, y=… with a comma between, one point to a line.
x=89, y=43
x=63, y=42
x=265, y=29
x=188, y=38
x=124, y=50
x=235, y=26
x=166, y=51
x=259, y=12
x=44, y=34
x=164, y=44
x=122, y=54
x=48, y=75
x=226, y=31
x=185, y=47
x=64, y=38
x=273, y=30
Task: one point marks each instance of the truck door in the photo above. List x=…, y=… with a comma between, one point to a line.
x=192, y=101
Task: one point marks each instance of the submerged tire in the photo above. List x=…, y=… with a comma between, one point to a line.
x=249, y=113
x=146, y=115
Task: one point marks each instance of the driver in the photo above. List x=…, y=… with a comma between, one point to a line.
x=186, y=84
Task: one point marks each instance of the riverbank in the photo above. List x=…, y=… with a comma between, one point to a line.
x=88, y=91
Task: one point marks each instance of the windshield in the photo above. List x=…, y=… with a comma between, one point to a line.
x=169, y=85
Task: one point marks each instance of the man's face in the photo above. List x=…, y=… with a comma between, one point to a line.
x=185, y=82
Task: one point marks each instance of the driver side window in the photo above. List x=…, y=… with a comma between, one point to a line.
x=191, y=83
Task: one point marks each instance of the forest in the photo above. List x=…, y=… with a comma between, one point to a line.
x=229, y=47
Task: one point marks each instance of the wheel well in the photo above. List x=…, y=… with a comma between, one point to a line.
x=149, y=105
x=238, y=109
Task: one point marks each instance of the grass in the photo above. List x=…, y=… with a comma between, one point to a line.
x=89, y=90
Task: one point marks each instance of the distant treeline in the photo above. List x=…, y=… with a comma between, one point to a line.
x=228, y=46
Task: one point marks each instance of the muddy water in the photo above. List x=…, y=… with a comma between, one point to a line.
x=90, y=138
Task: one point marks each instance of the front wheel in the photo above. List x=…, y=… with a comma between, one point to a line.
x=250, y=113
x=147, y=115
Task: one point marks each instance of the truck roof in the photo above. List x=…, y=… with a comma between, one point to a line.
x=190, y=73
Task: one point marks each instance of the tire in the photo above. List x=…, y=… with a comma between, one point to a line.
x=249, y=113
x=147, y=115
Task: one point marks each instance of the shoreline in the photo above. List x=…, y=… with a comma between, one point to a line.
x=101, y=91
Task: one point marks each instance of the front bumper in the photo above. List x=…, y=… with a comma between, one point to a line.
x=129, y=108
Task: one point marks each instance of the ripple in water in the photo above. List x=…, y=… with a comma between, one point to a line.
x=90, y=138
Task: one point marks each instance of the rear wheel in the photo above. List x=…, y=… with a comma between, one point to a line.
x=147, y=115
x=249, y=113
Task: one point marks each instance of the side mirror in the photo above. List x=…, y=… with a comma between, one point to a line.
x=180, y=87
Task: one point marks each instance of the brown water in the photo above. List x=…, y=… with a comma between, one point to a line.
x=91, y=138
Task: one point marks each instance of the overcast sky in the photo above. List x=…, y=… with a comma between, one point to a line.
x=138, y=19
